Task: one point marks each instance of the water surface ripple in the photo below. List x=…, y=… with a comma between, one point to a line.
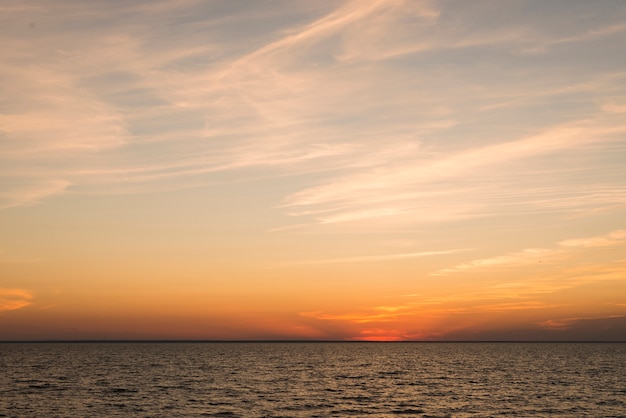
x=312, y=379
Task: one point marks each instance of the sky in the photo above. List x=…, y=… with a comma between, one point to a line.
x=313, y=170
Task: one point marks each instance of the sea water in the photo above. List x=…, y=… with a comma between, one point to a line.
x=312, y=379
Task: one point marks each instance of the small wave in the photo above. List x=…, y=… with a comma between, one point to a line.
x=345, y=376
x=40, y=386
x=610, y=402
x=121, y=390
x=407, y=411
x=391, y=373
x=357, y=412
x=357, y=398
x=307, y=407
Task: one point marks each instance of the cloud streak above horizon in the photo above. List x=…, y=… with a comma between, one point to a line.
x=12, y=299
x=566, y=248
x=378, y=257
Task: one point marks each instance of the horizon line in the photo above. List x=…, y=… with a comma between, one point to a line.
x=299, y=341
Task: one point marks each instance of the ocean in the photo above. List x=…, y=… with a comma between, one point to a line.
x=312, y=379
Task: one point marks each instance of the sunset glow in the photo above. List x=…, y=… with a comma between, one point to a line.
x=382, y=170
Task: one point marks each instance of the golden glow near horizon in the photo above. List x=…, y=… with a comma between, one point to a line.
x=345, y=170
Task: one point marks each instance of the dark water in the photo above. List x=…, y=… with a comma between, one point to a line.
x=312, y=379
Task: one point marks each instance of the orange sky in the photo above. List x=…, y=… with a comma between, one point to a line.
x=332, y=170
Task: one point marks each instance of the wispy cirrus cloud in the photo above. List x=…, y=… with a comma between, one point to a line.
x=167, y=101
x=86, y=102
x=418, y=188
x=430, y=123
x=589, y=35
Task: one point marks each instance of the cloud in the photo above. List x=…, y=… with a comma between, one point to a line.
x=589, y=35
x=376, y=97
x=418, y=187
x=533, y=302
x=381, y=334
x=614, y=238
x=89, y=108
x=356, y=317
x=527, y=256
x=607, y=324
x=399, y=322
x=534, y=255
x=376, y=258
x=12, y=299
x=610, y=328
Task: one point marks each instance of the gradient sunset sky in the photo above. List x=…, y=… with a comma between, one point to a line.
x=305, y=169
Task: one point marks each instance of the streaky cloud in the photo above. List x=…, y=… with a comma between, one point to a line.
x=381, y=257
x=532, y=255
x=13, y=299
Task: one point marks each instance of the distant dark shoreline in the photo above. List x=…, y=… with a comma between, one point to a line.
x=307, y=342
